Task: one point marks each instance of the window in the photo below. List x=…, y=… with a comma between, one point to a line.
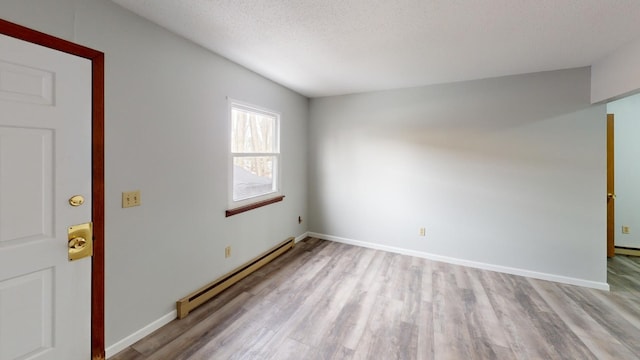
x=255, y=154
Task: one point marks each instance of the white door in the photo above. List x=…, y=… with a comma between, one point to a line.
x=45, y=159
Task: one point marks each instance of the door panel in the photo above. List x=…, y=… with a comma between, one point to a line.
x=34, y=293
x=26, y=214
x=21, y=83
x=45, y=159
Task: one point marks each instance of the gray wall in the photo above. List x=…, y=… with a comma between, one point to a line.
x=616, y=75
x=166, y=115
x=627, y=172
x=507, y=171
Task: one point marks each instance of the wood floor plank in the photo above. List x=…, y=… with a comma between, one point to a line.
x=618, y=326
x=623, y=305
x=201, y=333
x=291, y=350
x=356, y=313
x=328, y=301
x=451, y=337
x=411, y=294
x=278, y=273
x=426, y=288
x=312, y=296
x=324, y=312
x=128, y=354
x=487, y=339
x=483, y=314
x=623, y=276
x=381, y=337
x=425, y=347
x=591, y=333
x=523, y=337
x=240, y=341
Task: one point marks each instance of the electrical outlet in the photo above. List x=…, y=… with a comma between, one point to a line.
x=625, y=230
x=227, y=252
x=423, y=231
x=131, y=198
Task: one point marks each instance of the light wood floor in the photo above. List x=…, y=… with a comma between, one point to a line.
x=325, y=300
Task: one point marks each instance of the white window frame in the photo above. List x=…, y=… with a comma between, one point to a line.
x=277, y=155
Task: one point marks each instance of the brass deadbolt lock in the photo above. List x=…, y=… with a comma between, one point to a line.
x=80, y=241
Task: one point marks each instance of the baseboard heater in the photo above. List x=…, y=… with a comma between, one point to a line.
x=205, y=293
x=622, y=250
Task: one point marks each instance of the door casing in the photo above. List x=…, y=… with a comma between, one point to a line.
x=611, y=200
x=97, y=166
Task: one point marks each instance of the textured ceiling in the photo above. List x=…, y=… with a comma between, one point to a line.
x=331, y=47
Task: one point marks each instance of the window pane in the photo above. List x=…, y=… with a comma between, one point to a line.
x=252, y=132
x=253, y=176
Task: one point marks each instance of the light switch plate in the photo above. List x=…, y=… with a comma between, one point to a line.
x=131, y=198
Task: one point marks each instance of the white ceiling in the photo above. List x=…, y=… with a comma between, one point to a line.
x=332, y=47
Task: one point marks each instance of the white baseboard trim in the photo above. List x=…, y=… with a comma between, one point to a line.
x=302, y=237
x=136, y=336
x=469, y=263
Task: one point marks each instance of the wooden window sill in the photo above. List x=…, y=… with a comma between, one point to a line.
x=241, y=209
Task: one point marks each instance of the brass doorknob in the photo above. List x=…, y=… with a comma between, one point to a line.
x=77, y=243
